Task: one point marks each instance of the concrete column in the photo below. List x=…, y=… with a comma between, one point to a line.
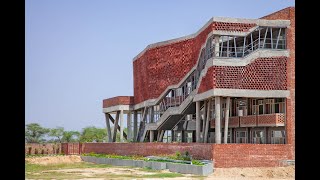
x=161, y=135
x=152, y=114
x=216, y=47
x=204, y=119
x=151, y=135
x=183, y=136
x=135, y=125
x=114, y=137
x=207, y=122
x=121, y=126
x=217, y=120
x=129, y=127
x=198, y=121
x=108, y=127
x=225, y=140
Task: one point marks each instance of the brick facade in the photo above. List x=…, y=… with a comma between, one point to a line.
x=289, y=14
x=262, y=74
x=240, y=27
x=118, y=100
x=166, y=65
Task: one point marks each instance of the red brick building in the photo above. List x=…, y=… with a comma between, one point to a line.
x=233, y=81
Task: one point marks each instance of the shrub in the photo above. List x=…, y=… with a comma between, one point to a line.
x=196, y=162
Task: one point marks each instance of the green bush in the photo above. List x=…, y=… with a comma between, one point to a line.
x=196, y=162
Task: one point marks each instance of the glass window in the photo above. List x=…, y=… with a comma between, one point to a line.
x=188, y=136
x=278, y=137
x=178, y=135
x=167, y=138
x=229, y=136
x=258, y=137
x=241, y=137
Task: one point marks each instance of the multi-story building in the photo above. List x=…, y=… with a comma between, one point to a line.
x=233, y=80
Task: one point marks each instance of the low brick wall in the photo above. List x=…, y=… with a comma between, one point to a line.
x=36, y=148
x=223, y=155
x=197, y=150
x=251, y=155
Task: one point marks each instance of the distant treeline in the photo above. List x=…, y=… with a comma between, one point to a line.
x=35, y=133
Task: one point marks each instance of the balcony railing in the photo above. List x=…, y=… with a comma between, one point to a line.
x=233, y=122
x=264, y=120
x=276, y=119
x=248, y=121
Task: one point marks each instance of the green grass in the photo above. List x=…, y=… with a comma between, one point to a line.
x=134, y=157
x=36, y=168
x=163, y=175
x=35, y=171
x=43, y=155
x=148, y=169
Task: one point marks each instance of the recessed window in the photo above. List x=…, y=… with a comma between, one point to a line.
x=241, y=137
x=258, y=137
x=278, y=137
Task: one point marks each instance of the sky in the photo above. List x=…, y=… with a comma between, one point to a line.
x=79, y=52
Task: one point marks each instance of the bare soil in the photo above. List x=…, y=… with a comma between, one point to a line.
x=53, y=159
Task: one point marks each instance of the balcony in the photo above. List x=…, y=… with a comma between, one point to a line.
x=276, y=119
x=248, y=121
x=233, y=122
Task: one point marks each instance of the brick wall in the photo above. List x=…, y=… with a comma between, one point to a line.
x=36, y=148
x=224, y=155
x=118, y=100
x=197, y=150
x=289, y=14
x=225, y=26
x=262, y=74
x=166, y=65
x=251, y=155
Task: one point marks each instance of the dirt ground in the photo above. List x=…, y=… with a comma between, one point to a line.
x=53, y=159
x=258, y=173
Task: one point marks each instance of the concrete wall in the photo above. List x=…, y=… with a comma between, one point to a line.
x=36, y=148
x=198, y=150
x=251, y=155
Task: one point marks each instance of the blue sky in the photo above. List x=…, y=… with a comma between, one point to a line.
x=79, y=52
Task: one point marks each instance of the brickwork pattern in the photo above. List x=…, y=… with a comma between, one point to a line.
x=118, y=100
x=240, y=27
x=233, y=122
x=248, y=121
x=166, y=65
x=262, y=74
x=224, y=155
x=198, y=150
x=250, y=155
x=289, y=14
x=270, y=119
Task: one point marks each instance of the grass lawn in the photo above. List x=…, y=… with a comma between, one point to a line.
x=89, y=170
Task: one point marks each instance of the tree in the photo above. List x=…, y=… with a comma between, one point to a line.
x=34, y=133
x=68, y=136
x=93, y=134
x=57, y=132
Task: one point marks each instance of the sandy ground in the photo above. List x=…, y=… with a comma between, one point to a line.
x=53, y=159
x=283, y=173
